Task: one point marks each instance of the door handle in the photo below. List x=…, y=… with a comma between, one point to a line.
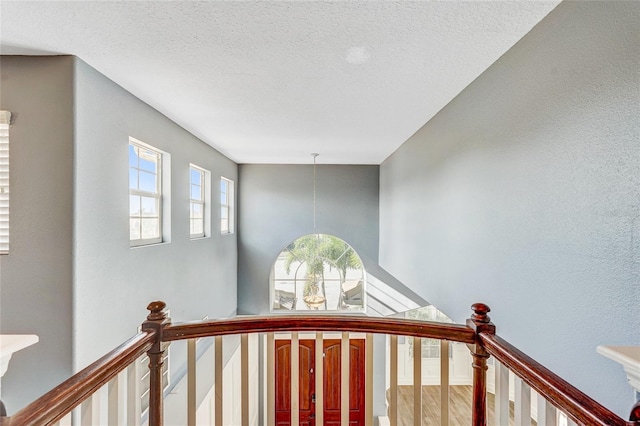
x=313, y=398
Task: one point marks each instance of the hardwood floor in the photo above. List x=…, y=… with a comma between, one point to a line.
x=459, y=403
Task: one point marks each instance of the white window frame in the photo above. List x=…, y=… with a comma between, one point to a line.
x=5, y=121
x=158, y=195
x=204, y=202
x=226, y=206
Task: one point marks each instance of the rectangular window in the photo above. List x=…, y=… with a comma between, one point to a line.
x=145, y=194
x=199, y=211
x=5, y=119
x=226, y=206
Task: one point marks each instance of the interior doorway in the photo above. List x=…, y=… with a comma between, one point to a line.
x=332, y=349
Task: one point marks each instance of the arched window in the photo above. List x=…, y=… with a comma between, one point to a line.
x=318, y=272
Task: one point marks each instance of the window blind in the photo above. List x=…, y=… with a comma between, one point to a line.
x=5, y=118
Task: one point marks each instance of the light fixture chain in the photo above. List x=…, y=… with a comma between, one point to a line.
x=314, y=191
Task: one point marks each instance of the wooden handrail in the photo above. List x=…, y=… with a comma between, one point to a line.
x=574, y=403
x=428, y=329
x=58, y=402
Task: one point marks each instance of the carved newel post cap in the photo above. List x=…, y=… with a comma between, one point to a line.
x=480, y=311
x=157, y=310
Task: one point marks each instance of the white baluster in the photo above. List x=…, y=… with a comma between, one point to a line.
x=501, y=394
x=271, y=380
x=244, y=378
x=90, y=411
x=218, y=380
x=117, y=399
x=134, y=408
x=522, y=403
x=393, y=380
x=417, y=381
x=547, y=413
x=444, y=383
x=319, y=379
x=191, y=382
x=344, y=378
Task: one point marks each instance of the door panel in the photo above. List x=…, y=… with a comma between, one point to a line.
x=283, y=381
x=332, y=382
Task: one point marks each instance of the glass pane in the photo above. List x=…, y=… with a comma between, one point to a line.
x=148, y=182
x=150, y=206
x=133, y=178
x=133, y=156
x=196, y=177
x=134, y=205
x=224, y=225
x=224, y=213
x=150, y=228
x=223, y=186
x=196, y=227
x=223, y=199
x=196, y=192
x=196, y=211
x=134, y=229
x=148, y=160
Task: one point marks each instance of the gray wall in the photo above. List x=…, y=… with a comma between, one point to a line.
x=36, y=276
x=71, y=276
x=114, y=282
x=524, y=193
x=276, y=207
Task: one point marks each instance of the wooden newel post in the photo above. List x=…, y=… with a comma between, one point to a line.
x=156, y=321
x=480, y=323
x=634, y=417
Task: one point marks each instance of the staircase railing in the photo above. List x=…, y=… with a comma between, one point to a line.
x=555, y=395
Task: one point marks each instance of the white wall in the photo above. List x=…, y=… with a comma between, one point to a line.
x=36, y=276
x=113, y=282
x=524, y=193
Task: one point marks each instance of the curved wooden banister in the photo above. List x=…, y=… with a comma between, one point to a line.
x=427, y=329
x=575, y=404
x=58, y=402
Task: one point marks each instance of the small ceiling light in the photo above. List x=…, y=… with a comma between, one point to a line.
x=357, y=55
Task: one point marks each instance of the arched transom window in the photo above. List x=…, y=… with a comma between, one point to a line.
x=318, y=272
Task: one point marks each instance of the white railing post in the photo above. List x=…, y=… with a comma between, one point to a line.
x=547, y=413
x=444, y=383
x=417, y=381
x=218, y=363
x=295, y=379
x=244, y=379
x=501, y=393
x=116, y=413
x=368, y=418
x=134, y=404
x=319, y=407
x=271, y=380
x=393, y=380
x=191, y=382
x=344, y=378
x=522, y=403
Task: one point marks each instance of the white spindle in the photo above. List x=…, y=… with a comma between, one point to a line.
x=218, y=380
x=368, y=404
x=417, y=381
x=522, y=403
x=90, y=411
x=65, y=421
x=134, y=408
x=393, y=380
x=295, y=379
x=501, y=394
x=319, y=379
x=344, y=378
x=191, y=382
x=444, y=383
x=117, y=404
x=244, y=378
x=271, y=380
x=547, y=413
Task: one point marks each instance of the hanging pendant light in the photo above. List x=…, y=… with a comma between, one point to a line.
x=314, y=289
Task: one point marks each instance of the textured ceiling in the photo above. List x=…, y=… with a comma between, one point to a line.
x=271, y=82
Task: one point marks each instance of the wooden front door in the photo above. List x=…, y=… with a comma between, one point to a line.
x=332, y=389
